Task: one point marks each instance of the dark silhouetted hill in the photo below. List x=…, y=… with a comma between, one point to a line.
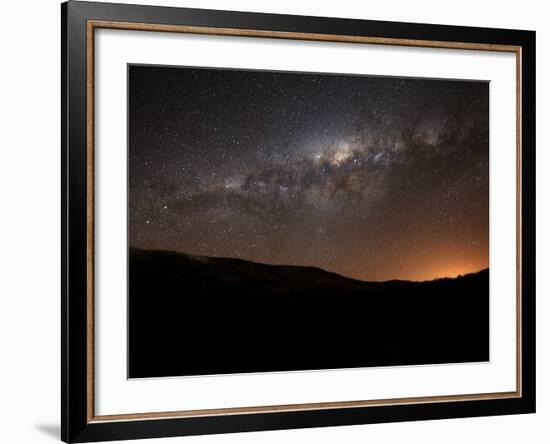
x=207, y=315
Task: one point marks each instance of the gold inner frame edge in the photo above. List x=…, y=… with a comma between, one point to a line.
x=96, y=24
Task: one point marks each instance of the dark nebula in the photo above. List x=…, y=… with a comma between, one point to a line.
x=374, y=178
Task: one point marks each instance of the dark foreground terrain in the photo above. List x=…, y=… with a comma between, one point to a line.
x=192, y=315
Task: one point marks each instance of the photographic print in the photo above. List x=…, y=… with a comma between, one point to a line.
x=283, y=221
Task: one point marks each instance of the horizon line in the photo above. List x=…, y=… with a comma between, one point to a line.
x=310, y=266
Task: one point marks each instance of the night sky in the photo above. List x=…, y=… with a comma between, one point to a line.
x=374, y=178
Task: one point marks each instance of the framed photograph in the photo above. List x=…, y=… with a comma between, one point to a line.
x=277, y=221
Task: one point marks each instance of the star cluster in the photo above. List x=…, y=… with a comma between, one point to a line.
x=371, y=177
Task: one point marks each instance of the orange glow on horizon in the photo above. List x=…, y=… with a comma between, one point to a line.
x=450, y=271
x=425, y=267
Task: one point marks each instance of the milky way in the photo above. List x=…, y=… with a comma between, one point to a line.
x=374, y=178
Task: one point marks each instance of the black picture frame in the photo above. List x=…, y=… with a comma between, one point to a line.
x=77, y=425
